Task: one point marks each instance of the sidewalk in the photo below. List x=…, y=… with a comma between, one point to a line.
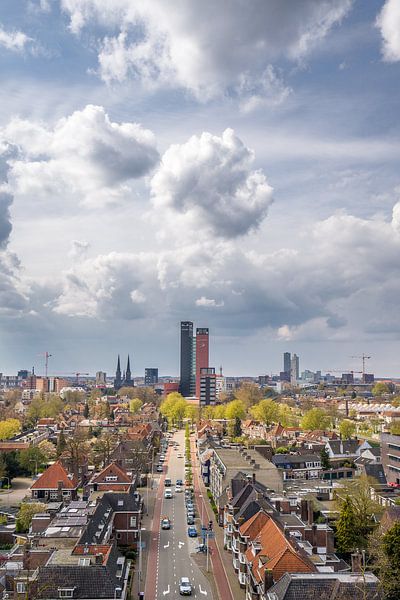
x=225, y=576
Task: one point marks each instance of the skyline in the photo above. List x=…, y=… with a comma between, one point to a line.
x=152, y=171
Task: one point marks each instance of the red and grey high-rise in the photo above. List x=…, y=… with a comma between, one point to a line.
x=202, y=354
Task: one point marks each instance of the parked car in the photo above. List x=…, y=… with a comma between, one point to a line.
x=192, y=531
x=165, y=523
x=178, y=489
x=159, y=468
x=190, y=520
x=179, y=482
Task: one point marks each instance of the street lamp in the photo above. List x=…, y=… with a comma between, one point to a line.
x=140, y=558
x=202, y=506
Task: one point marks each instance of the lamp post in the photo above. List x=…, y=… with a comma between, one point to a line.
x=202, y=506
x=140, y=559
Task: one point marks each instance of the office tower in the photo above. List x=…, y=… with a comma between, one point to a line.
x=118, y=378
x=150, y=376
x=202, y=354
x=186, y=357
x=286, y=362
x=193, y=367
x=294, y=369
x=208, y=386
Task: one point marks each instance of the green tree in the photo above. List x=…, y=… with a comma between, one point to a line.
x=390, y=576
x=208, y=412
x=61, y=443
x=346, y=527
x=266, y=411
x=395, y=427
x=249, y=394
x=9, y=428
x=3, y=467
x=380, y=388
x=191, y=412
x=325, y=462
x=315, y=418
x=282, y=450
x=86, y=411
x=135, y=405
x=32, y=460
x=347, y=429
x=25, y=514
x=365, y=510
x=103, y=448
x=235, y=409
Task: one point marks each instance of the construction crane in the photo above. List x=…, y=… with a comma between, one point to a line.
x=363, y=357
x=46, y=361
x=77, y=377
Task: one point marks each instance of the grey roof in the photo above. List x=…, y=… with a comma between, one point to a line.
x=281, y=459
x=95, y=581
x=103, y=514
x=376, y=472
x=325, y=586
x=349, y=446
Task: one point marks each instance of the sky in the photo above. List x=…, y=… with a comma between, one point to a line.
x=227, y=162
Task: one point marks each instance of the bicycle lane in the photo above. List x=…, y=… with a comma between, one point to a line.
x=220, y=576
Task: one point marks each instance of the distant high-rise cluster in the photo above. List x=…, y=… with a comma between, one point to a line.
x=291, y=368
x=124, y=379
x=197, y=378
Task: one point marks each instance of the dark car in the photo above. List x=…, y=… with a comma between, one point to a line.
x=192, y=532
x=190, y=520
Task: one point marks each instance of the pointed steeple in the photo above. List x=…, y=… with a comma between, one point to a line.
x=118, y=380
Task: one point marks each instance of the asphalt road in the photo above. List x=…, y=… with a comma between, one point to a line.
x=19, y=489
x=174, y=549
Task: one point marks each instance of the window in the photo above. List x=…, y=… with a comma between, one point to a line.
x=65, y=592
x=84, y=562
x=111, y=478
x=21, y=588
x=133, y=521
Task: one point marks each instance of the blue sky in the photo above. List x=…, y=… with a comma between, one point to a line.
x=233, y=164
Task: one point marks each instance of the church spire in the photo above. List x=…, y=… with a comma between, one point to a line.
x=118, y=380
x=128, y=375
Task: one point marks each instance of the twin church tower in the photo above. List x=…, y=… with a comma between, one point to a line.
x=124, y=380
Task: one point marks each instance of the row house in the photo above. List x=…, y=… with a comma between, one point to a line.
x=112, y=479
x=298, y=466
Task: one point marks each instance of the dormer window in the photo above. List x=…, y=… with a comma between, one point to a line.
x=66, y=592
x=111, y=478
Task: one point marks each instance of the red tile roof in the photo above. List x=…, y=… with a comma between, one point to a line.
x=52, y=475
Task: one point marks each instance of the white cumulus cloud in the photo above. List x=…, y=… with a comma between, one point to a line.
x=211, y=183
x=15, y=41
x=205, y=47
x=388, y=22
x=84, y=158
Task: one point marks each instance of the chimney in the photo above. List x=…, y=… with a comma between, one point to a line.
x=59, y=490
x=304, y=510
x=254, y=477
x=278, y=505
x=268, y=579
x=356, y=562
x=310, y=512
x=99, y=559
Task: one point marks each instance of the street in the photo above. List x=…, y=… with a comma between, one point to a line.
x=171, y=551
x=14, y=496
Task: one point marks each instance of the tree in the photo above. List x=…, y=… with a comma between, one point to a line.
x=26, y=511
x=191, y=412
x=364, y=509
x=32, y=459
x=266, y=411
x=249, y=394
x=346, y=527
x=135, y=405
x=235, y=409
x=9, y=428
x=395, y=427
x=174, y=407
x=315, y=418
x=76, y=450
x=390, y=577
x=41, y=408
x=103, y=448
x=86, y=411
x=208, y=412
x=48, y=449
x=3, y=467
x=380, y=388
x=219, y=411
x=282, y=450
x=325, y=462
x=61, y=443
x=129, y=392
x=347, y=429
x=147, y=394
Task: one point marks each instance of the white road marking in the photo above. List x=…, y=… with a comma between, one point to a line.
x=202, y=591
x=180, y=544
x=166, y=545
x=165, y=592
